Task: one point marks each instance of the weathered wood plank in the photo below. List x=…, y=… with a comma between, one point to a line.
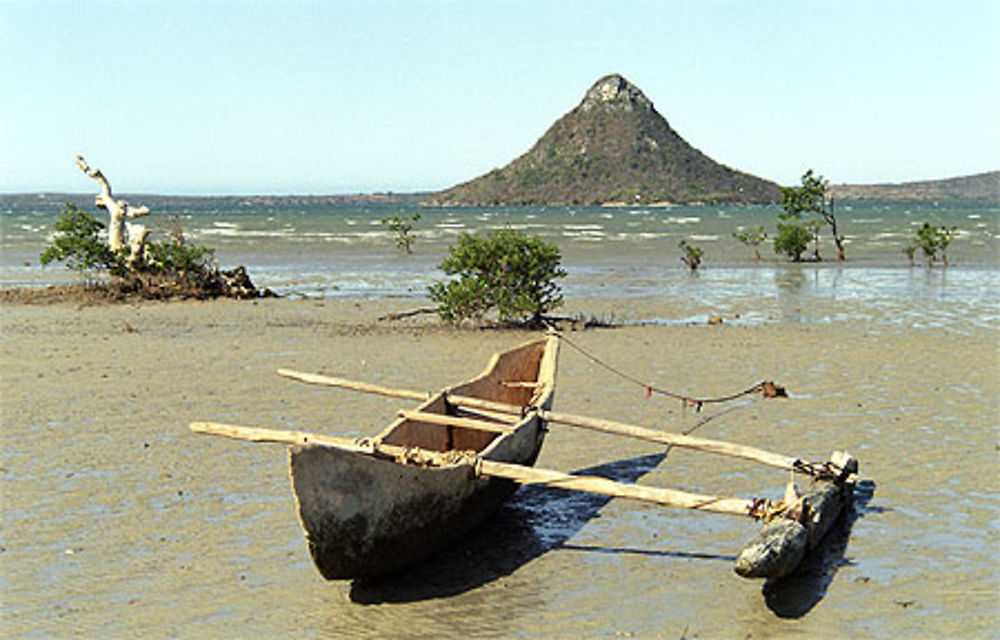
x=362, y=447
x=330, y=381
x=455, y=421
x=593, y=484
x=674, y=439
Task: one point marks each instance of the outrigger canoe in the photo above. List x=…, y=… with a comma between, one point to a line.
x=374, y=506
x=367, y=515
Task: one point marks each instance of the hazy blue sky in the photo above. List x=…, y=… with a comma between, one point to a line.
x=331, y=97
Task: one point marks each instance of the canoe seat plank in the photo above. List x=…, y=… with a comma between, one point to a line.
x=483, y=414
x=455, y=421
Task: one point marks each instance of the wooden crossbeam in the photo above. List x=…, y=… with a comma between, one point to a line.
x=455, y=421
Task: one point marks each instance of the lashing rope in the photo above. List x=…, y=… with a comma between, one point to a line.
x=767, y=388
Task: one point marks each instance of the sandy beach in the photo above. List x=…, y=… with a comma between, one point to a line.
x=119, y=522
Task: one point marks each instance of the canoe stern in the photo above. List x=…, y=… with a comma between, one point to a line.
x=365, y=517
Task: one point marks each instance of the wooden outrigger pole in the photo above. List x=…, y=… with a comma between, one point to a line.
x=518, y=473
x=719, y=447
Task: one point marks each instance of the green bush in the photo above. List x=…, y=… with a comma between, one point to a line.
x=175, y=257
x=811, y=197
x=402, y=226
x=752, y=238
x=692, y=255
x=792, y=240
x=945, y=236
x=504, y=270
x=933, y=241
x=76, y=244
x=927, y=241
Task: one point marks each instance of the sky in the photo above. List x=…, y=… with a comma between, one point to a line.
x=259, y=97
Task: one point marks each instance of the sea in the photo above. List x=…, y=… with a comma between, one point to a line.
x=310, y=248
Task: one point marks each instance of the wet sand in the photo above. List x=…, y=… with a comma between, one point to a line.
x=119, y=522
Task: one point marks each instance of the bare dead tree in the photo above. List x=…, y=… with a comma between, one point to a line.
x=121, y=230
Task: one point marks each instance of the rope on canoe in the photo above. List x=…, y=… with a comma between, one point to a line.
x=766, y=388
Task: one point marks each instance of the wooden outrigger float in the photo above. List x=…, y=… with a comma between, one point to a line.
x=374, y=506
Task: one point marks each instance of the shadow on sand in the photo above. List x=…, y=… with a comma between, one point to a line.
x=796, y=594
x=536, y=519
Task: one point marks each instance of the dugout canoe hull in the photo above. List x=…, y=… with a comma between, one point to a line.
x=367, y=516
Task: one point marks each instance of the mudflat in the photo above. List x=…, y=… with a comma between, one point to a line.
x=118, y=521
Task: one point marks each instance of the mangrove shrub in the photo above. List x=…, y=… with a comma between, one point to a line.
x=752, y=238
x=76, y=243
x=692, y=255
x=504, y=271
x=401, y=226
x=933, y=241
x=811, y=197
x=792, y=240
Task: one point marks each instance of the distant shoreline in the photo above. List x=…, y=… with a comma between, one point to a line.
x=152, y=199
x=840, y=194
x=981, y=187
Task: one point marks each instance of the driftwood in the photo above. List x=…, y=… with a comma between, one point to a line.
x=120, y=229
x=408, y=314
x=783, y=542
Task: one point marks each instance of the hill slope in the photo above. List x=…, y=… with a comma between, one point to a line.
x=982, y=186
x=613, y=147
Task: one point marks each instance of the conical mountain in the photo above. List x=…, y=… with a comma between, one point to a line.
x=613, y=147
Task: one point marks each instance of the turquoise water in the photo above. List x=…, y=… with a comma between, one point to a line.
x=326, y=250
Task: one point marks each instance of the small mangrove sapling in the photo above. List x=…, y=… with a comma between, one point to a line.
x=945, y=236
x=933, y=241
x=752, y=238
x=692, y=255
x=402, y=225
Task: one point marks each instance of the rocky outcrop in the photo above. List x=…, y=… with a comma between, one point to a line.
x=614, y=147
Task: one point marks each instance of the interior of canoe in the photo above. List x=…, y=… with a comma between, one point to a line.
x=522, y=377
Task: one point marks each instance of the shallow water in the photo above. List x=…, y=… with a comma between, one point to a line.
x=610, y=254
x=118, y=522
x=345, y=250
